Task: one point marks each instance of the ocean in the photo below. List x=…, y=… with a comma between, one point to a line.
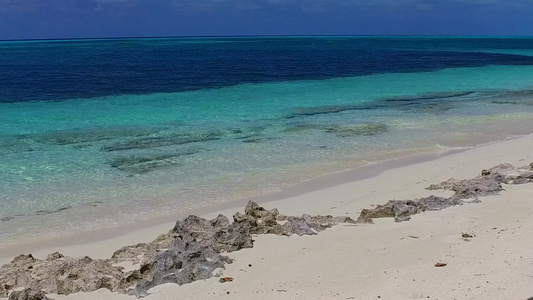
x=100, y=133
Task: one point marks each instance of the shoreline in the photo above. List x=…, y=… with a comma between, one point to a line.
x=129, y=232
x=385, y=260
x=147, y=230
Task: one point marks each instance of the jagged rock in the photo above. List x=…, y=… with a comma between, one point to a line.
x=59, y=275
x=437, y=203
x=28, y=294
x=401, y=210
x=487, y=184
x=470, y=188
x=381, y=211
x=194, y=252
x=262, y=221
x=404, y=209
x=258, y=219
x=310, y=225
x=135, y=253
x=185, y=262
x=189, y=252
x=219, y=233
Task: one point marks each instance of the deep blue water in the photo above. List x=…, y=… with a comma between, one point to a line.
x=58, y=70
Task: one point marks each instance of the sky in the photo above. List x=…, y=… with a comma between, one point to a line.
x=54, y=19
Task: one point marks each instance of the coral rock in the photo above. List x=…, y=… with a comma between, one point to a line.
x=28, y=294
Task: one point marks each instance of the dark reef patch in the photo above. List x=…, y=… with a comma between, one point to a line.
x=429, y=103
x=428, y=96
x=522, y=97
x=135, y=164
x=341, y=130
x=68, y=137
x=356, y=129
x=14, y=144
x=157, y=142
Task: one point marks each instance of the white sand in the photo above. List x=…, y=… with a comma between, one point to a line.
x=385, y=260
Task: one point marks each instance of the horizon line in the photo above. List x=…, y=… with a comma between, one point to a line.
x=260, y=35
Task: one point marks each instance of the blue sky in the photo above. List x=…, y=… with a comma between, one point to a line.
x=33, y=19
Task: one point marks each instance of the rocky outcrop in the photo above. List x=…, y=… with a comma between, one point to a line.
x=487, y=184
x=401, y=210
x=59, y=275
x=190, y=251
x=28, y=294
x=261, y=221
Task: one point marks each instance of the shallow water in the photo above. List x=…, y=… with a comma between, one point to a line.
x=93, y=162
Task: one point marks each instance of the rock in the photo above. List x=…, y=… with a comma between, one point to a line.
x=488, y=183
x=437, y=203
x=380, y=211
x=261, y=221
x=470, y=188
x=219, y=233
x=404, y=209
x=59, y=275
x=194, y=252
x=135, y=253
x=467, y=236
x=28, y=294
x=186, y=261
x=308, y=225
x=189, y=252
x=401, y=210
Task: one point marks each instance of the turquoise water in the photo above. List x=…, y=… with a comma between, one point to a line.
x=78, y=164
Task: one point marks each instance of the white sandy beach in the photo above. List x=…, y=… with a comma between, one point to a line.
x=385, y=260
